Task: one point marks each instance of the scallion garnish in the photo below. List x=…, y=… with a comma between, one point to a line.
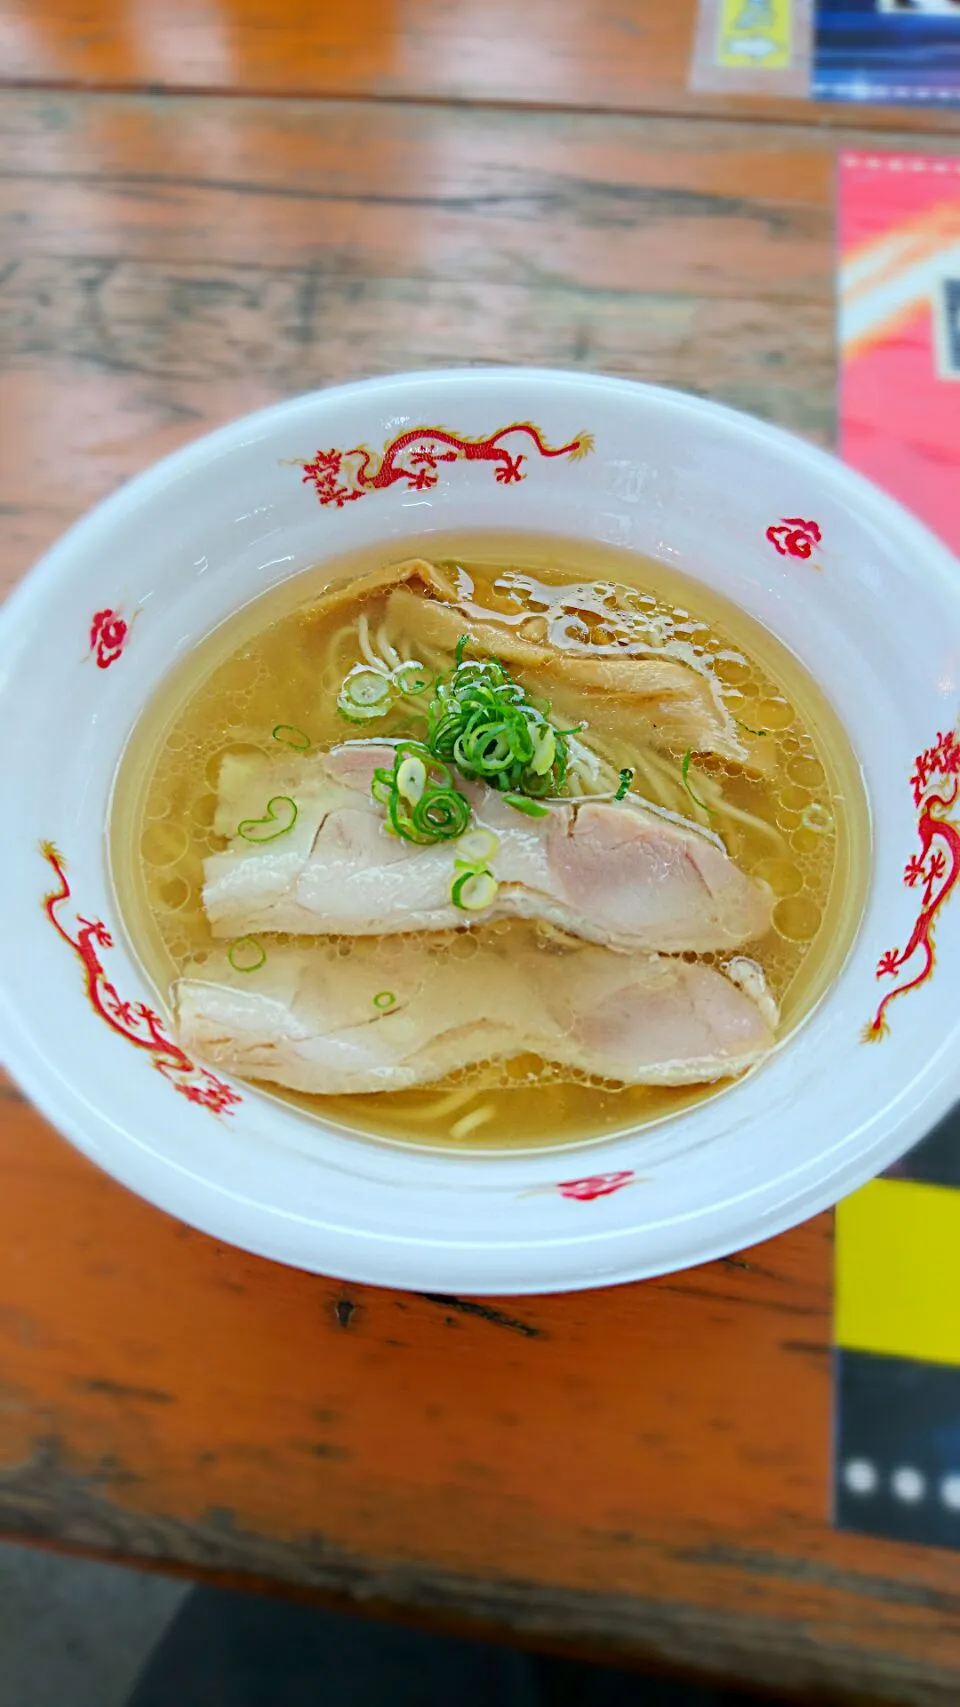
x=477, y=846
x=412, y=679
x=746, y=726
x=410, y=778
x=474, y=889
x=368, y=691
x=626, y=778
x=290, y=736
x=278, y=820
x=422, y=803
x=474, y=885
x=247, y=954
x=365, y=693
x=493, y=731
x=478, y=719
x=385, y=999
x=521, y=803
x=684, y=771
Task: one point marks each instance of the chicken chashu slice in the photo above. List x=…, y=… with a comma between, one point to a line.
x=676, y=705
x=612, y=872
x=375, y=1019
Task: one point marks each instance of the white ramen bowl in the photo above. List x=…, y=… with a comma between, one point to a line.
x=866, y=599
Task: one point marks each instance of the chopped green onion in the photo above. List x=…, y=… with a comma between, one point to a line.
x=478, y=846
x=386, y=999
x=474, y=890
x=274, y=822
x=411, y=778
x=365, y=693
x=412, y=679
x=478, y=719
x=544, y=753
x=382, y=786
x=441, y=815
x=486, y=724
x=626, y=778
x=475, y=886
x=239, y=953
x=422, y=804
x=367, y=687
x=750, y=731
x=684, y=769
x=532, y=808
x=353, y=714
x=290, y=736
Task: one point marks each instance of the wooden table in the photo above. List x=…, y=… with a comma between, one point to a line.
x=209, y=206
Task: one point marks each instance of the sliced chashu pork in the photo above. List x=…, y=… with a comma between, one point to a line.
x=612, y=872
x=313, y=1019
x=670, y=703
x=680, y=706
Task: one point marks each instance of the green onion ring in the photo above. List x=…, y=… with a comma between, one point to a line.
x=483, y=894
x=247, y=826
x=424, y=680
x=254, y=965
x=284, y=738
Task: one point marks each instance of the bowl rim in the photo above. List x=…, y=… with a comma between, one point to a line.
x=206, y=447
x=201, y=1203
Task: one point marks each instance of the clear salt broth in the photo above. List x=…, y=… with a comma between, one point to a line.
x=802, y=826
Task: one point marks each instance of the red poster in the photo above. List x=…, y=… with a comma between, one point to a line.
x=899, y=329
x=897, y=1441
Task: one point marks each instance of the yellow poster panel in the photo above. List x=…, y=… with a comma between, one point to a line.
x=898, y=1271
x=754, y=34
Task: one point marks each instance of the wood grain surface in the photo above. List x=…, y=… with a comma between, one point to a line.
x=631, y=56
x=640, y=1472
x=169, y=262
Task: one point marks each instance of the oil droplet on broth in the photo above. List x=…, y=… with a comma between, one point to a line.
x=163, y=842
x=173, y=893
x=783, y=876
x=203, y=811
x=806, y=771
x=732, y=669
x=465, y=945
x=775, y=714
x=797, y=918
